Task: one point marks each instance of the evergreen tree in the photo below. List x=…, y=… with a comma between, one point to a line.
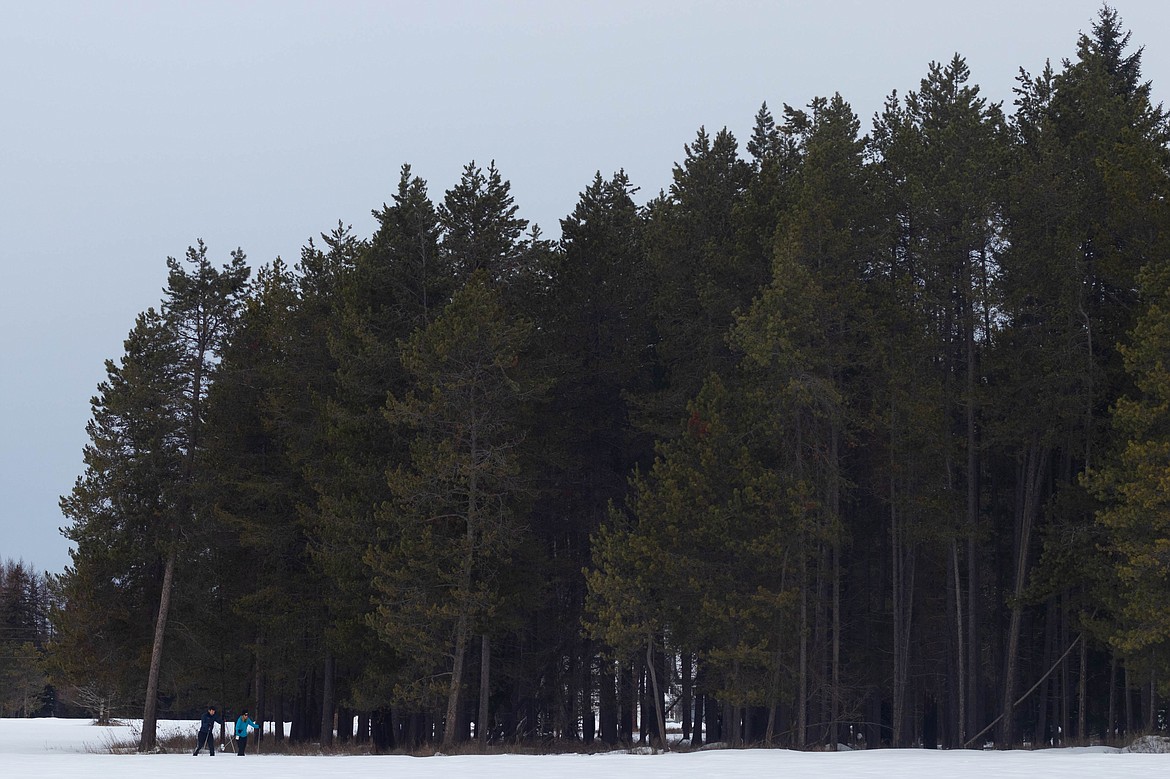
x=699, y=278
x=454, y=516
x=24, y=611
x=594, y=334
x=804, y=340
x=1132, y=485
x=940, y=158
x=1084, y=217
x=480, y=226
x=138, y=497
x=121, y=512
x=386, y=288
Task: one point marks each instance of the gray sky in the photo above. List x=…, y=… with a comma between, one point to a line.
x=130, y=129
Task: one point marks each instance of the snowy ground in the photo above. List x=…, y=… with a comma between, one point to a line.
x=47, y=748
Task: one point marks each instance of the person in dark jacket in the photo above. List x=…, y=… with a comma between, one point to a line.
x=242, y=724
x=206, y=731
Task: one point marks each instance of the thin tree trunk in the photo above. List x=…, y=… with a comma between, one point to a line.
x=588, y=680
x=699, y=702
x=1152, y=703
x=327, y=702
x=149, y=738
x=802, y=674
x=835, y=503
x=485, y=665
x=902, y=590
x=1111, y=722
x=1128, y=703
x=660, y=717
x=974, y=669
x=1065, y=686
x=451, y=725
x=820, y=642
x=1023, y=697
x=835, y=713
x=261, y=703
x=1083, y=694
x=1050, y=648
x=960, y=661
x=1031, y=471
x=972, y=492
x=462, y=625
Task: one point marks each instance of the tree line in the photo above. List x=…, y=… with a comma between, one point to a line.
x=853, y=438
x=25, y=631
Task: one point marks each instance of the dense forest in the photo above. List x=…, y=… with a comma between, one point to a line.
x=25, y=632
x=847, y=437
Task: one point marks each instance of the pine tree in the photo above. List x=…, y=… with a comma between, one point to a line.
x=24, y=607
x=138, y=498
x=121, y=510
x=454, y=517
x=803, y=341
x=939, y=153
x=480, y=226
x=1132, y=484
x=595, y=330
x=1084, y=216
x=386, y=288
x=699, y=277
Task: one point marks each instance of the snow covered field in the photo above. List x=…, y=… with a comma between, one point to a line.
x=47, y=748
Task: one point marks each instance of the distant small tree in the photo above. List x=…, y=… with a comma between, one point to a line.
x=101, y=703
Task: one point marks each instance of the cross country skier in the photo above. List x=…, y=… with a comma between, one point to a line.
x=206, y=726
x=242, y=723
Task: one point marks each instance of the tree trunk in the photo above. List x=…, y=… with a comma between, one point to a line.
x=261, y=703
x=697, y=734
x=327, y=702
x=1045, y=688
x=627, y=696
x=1083, y=694
x=1031, y=471
x=485, y=666
x=1127, y=700
x=1111, y=722
x=607, y=704
x=974, y=668
x=802, y=674
x=835, y=504
x=820, y=675
x=462, y=626
x=902, y=591
x=960, y=663
x=149, y=739
x=660, y=717
x=1065, y=683
x=835, y=706
x=451, y=724
x=972, y=489
x=1152, y=703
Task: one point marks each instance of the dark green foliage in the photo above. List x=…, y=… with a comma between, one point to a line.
x=25, y=602
x=848, y=435
x=143, y=536
x=455, y=515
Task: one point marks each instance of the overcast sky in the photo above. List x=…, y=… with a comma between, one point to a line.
x=128, y=130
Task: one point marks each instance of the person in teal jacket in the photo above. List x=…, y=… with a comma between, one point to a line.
x=243, y=722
